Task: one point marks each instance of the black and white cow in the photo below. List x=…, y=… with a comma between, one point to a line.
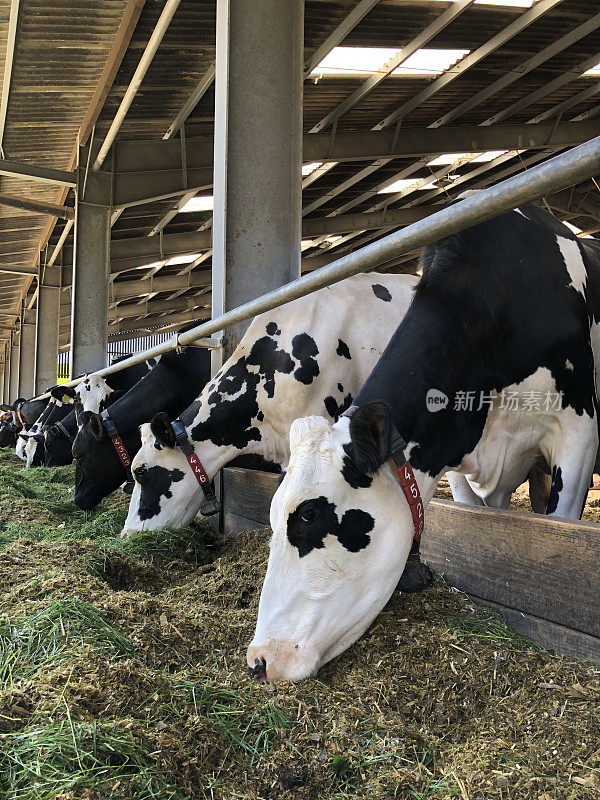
x=30, y=446
x=507, y=313
x=94, y=394
x=308, y=357
x=172, y=385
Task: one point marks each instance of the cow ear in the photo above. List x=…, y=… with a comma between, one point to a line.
x=96, y=427
x=115, y=394
x=162, y=429
x=371, y=436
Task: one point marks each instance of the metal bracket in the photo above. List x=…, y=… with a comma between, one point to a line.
x=211, y=342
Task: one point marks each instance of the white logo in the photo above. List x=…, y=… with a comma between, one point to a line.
x=435, y=400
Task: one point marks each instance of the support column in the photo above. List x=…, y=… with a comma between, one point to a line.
x=14, y=366
x=91, y=267
x=27, y=354
x=258, y=152
x=6, y=398
x=48, y=319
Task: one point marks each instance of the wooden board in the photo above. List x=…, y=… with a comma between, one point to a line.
x=541, y=574
x=247, y=498
x=545, y=566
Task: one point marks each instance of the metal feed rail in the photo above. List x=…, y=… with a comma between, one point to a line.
x=557, y=173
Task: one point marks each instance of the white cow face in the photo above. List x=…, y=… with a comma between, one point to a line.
x=93, y=393
x=161, y=473
x=342, y=531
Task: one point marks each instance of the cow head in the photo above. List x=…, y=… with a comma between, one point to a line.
x=57, y=447
x=342, y=531
x=34, y=450
x=93, y=393
x=98, y=470
x=8, y=434
x=165, y=491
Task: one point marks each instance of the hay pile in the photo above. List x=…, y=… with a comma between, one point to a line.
x=122, y=676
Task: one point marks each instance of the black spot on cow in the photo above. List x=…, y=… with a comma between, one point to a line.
x=304, y=349
x=340, y=387
x=556, y=488
x=381, y=292
x=157, y=445
x=273, y=329
x=354, y=529
x=315, y=519
x=156, y=484
x=343, y=350
x=230, y=421
x=352, y=474
x=87, y=386
x=335, y=409
x=260, y=416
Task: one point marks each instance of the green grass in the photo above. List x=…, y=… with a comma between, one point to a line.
x=28, y=642
x=48, y=758
x=482, y=625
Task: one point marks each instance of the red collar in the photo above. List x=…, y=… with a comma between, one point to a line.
x=110, y=427
x=406, y=476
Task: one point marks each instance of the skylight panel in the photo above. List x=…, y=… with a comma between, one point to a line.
x=508, y=3
x=504, y=3
x=404, y=183
x=308, y=169
x=364, y=61
x=183, y=259
x=450, y=158
x=204, y=203
x=577, y=231
x=594, y=72
x=429, y=61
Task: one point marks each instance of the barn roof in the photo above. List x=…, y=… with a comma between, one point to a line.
x=69, y=63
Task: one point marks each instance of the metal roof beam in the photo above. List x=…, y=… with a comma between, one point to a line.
x=150, y=322
x=191, y=103
x=18, y=269
x=417, y=142
x=157, y=307
x=38, y=207
x=16, y=169
x=170, y=283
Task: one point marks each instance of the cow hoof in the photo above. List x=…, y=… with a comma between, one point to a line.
x=416, y=577
x=128, y=487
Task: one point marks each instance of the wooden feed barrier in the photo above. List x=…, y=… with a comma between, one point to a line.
x=541, y=574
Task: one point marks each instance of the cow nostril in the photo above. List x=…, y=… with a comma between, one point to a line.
x=259, y=671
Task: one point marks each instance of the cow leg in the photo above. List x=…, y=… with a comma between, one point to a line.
x=461, y=490
x=572, y=470
x=540, y=486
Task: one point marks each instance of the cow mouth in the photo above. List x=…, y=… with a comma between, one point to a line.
x=259, y=671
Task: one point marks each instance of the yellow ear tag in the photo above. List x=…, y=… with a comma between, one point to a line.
x=66, y=399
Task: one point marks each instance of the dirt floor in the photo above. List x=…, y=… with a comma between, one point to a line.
x=122, y=676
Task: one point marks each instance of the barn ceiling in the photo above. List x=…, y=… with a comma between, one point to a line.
x=68, y=64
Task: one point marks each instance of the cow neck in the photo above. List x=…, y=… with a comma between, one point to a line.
x=424, y=354
x=165, y=388
x=212, y=457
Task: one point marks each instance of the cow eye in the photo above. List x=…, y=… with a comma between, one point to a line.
x=309, y=515
x=140, y=474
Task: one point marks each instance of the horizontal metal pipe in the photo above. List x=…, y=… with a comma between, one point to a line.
x=557, y=173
